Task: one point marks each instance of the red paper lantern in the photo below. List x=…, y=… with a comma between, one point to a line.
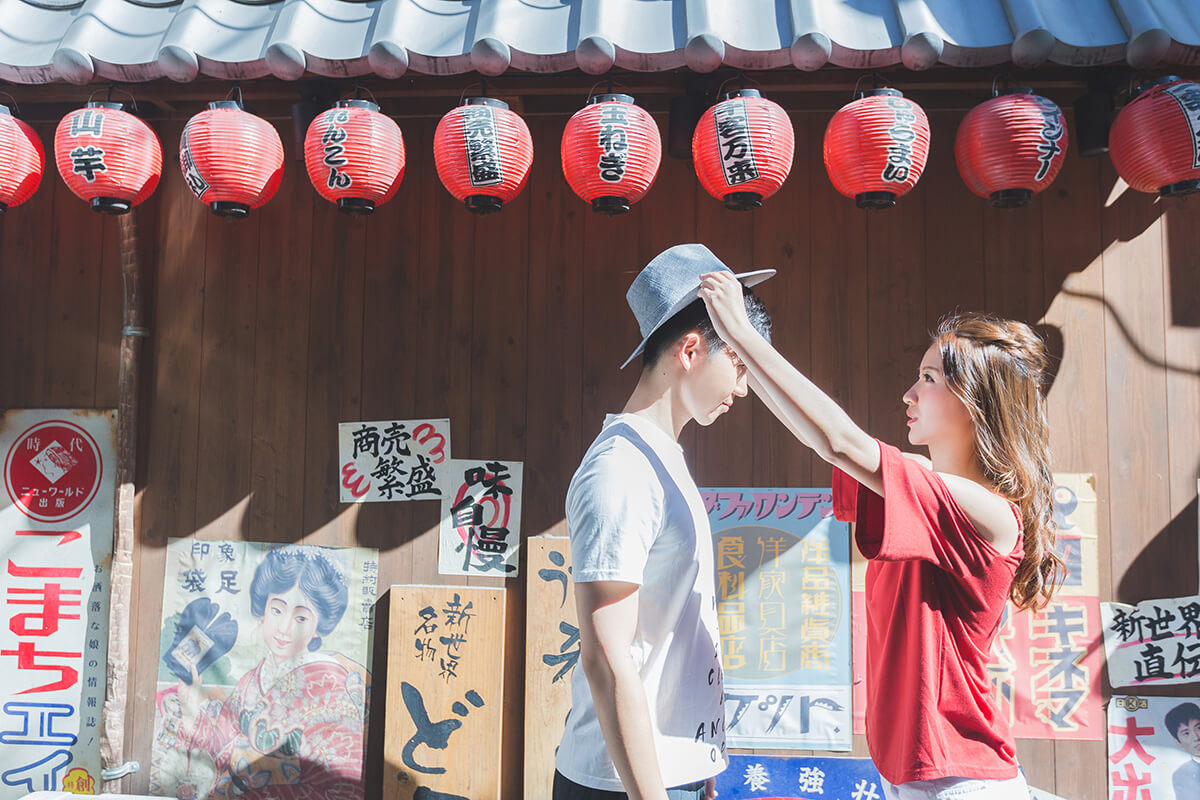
x=742, y=149
x=611, y=151
x=355, y=156
x=231, y=159
x=107, y=157
x=22, y=161
x=1155, y=139
x=483, y=152
x=1011, y=147
x=876, y=148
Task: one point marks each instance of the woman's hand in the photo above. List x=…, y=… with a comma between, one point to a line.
x=722, y=294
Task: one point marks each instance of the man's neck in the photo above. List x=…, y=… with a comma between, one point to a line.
x=654, y=399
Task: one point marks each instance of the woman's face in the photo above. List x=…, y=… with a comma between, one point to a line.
x=289, y=623
x=935, y=414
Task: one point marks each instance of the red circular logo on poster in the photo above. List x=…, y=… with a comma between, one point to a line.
x=53, y=471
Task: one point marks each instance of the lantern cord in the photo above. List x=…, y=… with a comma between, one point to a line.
x=611, y=85
x=467, y=88
x=237, y=87
x=854, y=91
x=741, y=77
x=16, y=107
x=483, y=84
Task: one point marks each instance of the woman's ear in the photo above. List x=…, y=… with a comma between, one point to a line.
x=689, y=350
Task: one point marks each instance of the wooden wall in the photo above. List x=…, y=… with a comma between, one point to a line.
x=266, y=332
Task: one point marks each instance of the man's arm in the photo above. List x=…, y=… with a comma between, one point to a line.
x=608, y=612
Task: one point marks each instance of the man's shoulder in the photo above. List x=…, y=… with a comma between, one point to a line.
x=614, y=460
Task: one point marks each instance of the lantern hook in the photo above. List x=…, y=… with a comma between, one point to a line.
x=359, y=89
x=14, y=101
x=237, y=87
x=112, y=87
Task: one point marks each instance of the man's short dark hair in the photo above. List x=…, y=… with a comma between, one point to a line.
x=694, y=319
x=1181, y=715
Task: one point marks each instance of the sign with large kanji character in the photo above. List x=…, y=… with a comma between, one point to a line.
x=56, y=526
x=480, y=531
x=1153, y=748
x=393, y=460
x=1155, y=643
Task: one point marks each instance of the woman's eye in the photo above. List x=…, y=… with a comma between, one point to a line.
x=928, y=378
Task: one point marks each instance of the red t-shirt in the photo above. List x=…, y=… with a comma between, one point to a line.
x=935, y=593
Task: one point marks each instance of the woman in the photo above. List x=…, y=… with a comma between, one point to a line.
x=950, y=539
x=292, y=728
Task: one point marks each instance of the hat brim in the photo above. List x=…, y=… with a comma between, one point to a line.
x=748, y=279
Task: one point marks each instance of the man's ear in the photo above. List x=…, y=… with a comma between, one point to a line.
x=689, y=350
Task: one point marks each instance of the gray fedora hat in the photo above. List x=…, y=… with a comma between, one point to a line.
x=670, y=282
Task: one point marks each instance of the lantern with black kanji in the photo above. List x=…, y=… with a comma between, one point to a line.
x=231, y=159
x=611, y=151
x=22, y=161
x=355, y=156
x=483, y=153
x=742, y=149
x=1154, y=142
x=1011, y=147
x=876, y=148
x=107, y=157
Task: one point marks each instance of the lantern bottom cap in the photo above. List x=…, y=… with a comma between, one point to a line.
x=1011, y=198
x=743, y=201
x=3, y=207
x=228, y=208
x=110, y=205
x=1180, y=188
x=875, y=200
x=483, y=203
x=610, y=205
x=355, y=205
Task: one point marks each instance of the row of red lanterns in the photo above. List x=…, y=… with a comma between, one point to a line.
x=875, y=149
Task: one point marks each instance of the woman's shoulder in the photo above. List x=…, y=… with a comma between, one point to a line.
x=991, y=514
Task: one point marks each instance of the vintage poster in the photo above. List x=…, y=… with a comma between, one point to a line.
x=774, y=778
x=551, y=654
x=444, y=693
x=1155, y=643
x=1046, y=666
x=56, y=530
x=1153, y=748
x=393, y=460
x=263, y=674
x=480, y=531
x=783, y=607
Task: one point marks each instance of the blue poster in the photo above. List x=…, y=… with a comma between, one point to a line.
x=771, y=778
x=783, y=607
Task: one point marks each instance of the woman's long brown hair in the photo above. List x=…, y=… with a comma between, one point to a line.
x=997, y=368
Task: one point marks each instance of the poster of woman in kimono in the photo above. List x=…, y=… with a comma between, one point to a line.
x=263, y=684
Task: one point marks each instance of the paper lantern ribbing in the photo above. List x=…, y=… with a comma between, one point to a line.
x=355, y=156
x=742, y=149
x=876, y=148
x=611, y=151
x=107, y=157
x=1154, y=142
x=1011, y=147
x=22, y=161
x=483, y=152
x=231, y=159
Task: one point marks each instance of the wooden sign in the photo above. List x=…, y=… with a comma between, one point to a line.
x=444, y=693
x=551, y=655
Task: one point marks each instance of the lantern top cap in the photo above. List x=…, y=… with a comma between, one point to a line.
x=357, y=103
x=1148, y=85
x=741, y=93
x=1014, y=90
x=105, y=104
x=671, y=282
x=218, y=105
x=5, y=110
x=484, y=101
x=883, y=92
x=611, y=98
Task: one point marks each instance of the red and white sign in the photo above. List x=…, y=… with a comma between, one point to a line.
x=56, y=523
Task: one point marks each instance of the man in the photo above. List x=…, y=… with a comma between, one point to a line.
x=647, y=719
x=1183, y=721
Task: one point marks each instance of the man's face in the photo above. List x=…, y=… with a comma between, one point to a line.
x=711, y=381
x=1189, y=737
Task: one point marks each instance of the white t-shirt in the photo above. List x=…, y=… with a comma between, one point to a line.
x=634, y=515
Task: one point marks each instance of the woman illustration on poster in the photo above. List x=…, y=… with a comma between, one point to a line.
x=292, y=728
